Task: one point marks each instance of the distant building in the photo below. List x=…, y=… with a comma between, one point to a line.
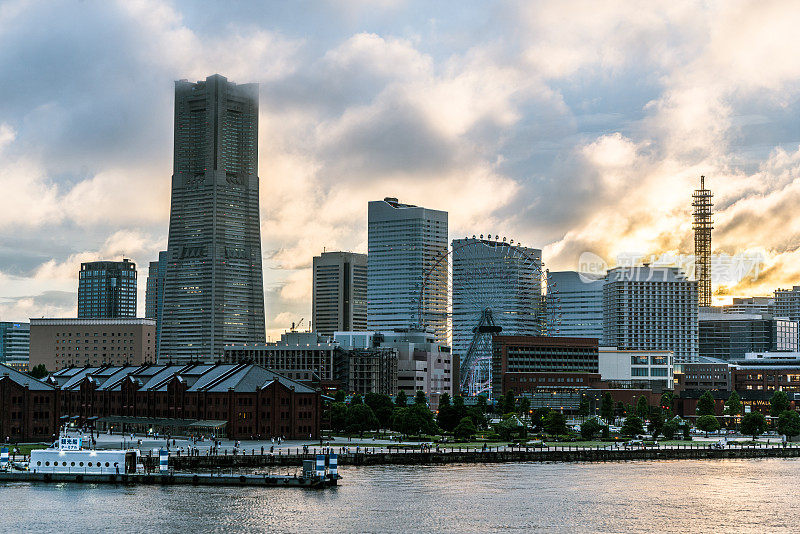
x=787, y=303
x=154, y=297
x=649, y=308
x=367, y=370
x=575, y=305
x=29, y=410
x=15, y=345
x=728, y=336
x=59, y=343
x=213, y=286
x=302, y=356
x=339, y=298
x=233, y=401
x=496, y=275
x=107, y=289
x=758, y=305
x=767, y=372
x=407, y=250
x=643, y=369
x=423, y=363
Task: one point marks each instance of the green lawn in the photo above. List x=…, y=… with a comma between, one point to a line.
x=26, y=448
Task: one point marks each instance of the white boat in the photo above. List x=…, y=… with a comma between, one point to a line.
x=67, y=455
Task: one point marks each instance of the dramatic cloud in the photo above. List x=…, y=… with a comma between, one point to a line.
x=569, y=125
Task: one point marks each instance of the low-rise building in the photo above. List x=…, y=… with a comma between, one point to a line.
x=643, y=369
x=238, y=401
x=303, y=356
x=29, y=408
x=704, y=375
x=59, y=343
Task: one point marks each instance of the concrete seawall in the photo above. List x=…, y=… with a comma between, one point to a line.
x=194, y=463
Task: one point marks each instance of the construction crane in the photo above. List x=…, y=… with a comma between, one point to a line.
x=296, y=326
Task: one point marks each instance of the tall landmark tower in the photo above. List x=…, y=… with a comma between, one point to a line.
x=213, y=286
x=701, y=202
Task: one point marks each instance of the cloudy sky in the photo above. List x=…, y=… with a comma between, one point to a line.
x=572, y=126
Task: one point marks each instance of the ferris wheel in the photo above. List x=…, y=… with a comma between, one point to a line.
x=497, y=287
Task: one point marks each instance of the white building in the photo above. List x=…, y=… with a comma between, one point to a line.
x=651, y=308
x=495, y=275
x=575, y=305
x=652, y=366
x=339, y=298
x=406, y=245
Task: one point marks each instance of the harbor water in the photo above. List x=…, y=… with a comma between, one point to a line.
x=655, y=496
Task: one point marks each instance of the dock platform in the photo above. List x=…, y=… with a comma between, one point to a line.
x=173, y=479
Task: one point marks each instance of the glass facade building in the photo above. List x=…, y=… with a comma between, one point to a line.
x=575, y=305
x=107, y=289
x=213, y=284
x=15, y=341
x=154, y=296
x=406, y=247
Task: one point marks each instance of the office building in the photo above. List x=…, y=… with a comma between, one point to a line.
x=59, y=343
x=367, y=370
x=575, y=305
x=787, y=303
x=756, y=305
x=107, y=289
x=407, y=268
x=728, y=336
x=706, y=374
x=648, y=308
x=303, y=356
x=220, y=400
x=536, y=360
x=643, y=369
x=339, y=298
x=154, y=297
x=15, y=345
x=423, y=364
x=213, y=287
x=495, y=275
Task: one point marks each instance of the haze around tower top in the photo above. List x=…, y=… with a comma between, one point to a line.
x=574, y=127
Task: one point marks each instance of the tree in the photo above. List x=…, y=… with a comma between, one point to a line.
x=607, y=407
x=356, y=399
x=584, y=409
x=420, y=398
x=481, y=404
x=413, y=420
x=555, y=423
x=382, y=406
x=39, y=371
x=444, y=400
x=667, y=398
x=779, y=403
x=669, y=429
x=733, y=406
x=360, y=417
x=507, y=429
x=537, y=418
x=632, y=426
x=642, y=408
x=620, y=409
x=708, y=423
x=338, y=412
x=754, y=424
x=656, y=423
x=524, y=406
x=706, y=405
x=789, y=423
x=401, y=400
x=465, y=429
x=508, y=403
x=448, y=416
x=590, y=428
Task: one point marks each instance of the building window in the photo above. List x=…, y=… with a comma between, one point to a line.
x=639, y=371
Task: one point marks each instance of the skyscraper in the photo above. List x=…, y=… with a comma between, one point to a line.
x=575, y=307
x=15, y=344
x=339, y=302
x=406, y=244
x=107, y=289
x=213, y=285
x=502, y=277
x=154, y=295
x=651, y=308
